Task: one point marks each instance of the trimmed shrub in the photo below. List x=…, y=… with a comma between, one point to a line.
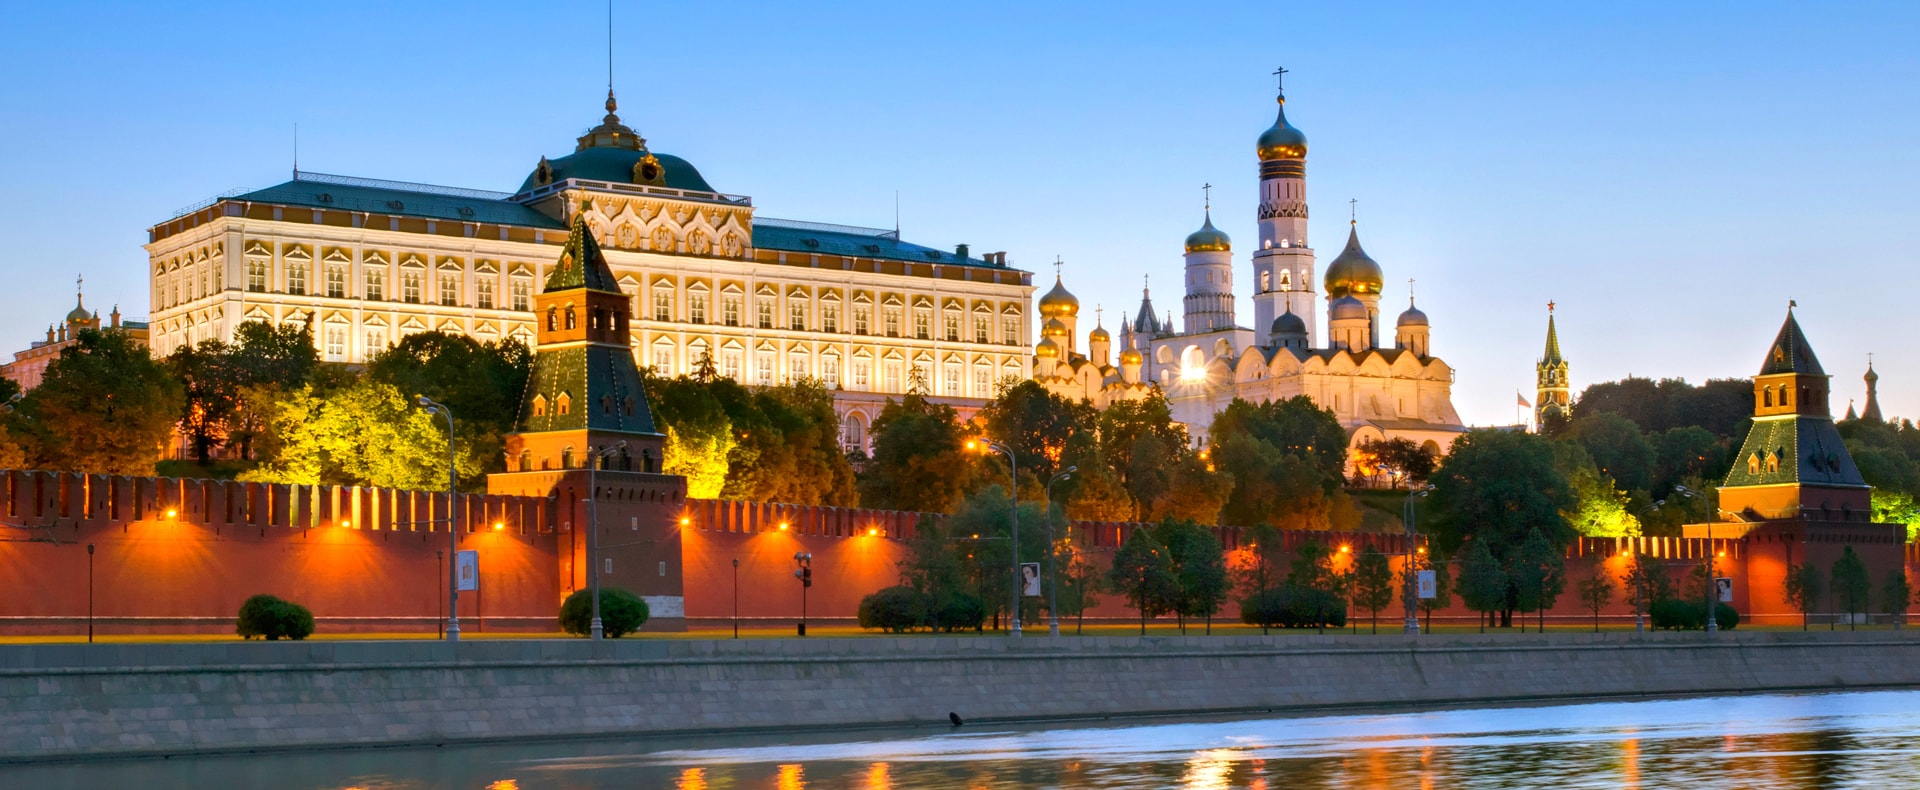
x=957, y=611
x=1288, y=606
x=621, y=613
x=896, y=609
x=271, y=618
x=1677, y=615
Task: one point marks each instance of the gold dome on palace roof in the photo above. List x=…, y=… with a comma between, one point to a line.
x=1058, y=301
x=1209, y=238
x=1131, y=356
x=1353, y=272
x=1281, y=140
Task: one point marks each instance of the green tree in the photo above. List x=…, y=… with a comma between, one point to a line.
x=936, y=567
x=104, y=406
x=1895, y=596
x=1647, y=583
x=1199, y=568
x=1495, y=488
x=481, y=383
x=1135, y=436
x=1617, y=448
x=1373, y=584
x=1403, y=459
x=983, y=528
x=1596, y=592
x=1538, y=575
x=1194, y=492
x=1851, y=586
x=1038, y=426
x=1097, y=493
x=1803, y=585
x=1600, y=509
x=919, y=461
x=1687, y=452
x=1483, y=584
x=1312, y=568
x=1079, y=583
x=1442, y=586
x=1143, y=574
x=1286, y=457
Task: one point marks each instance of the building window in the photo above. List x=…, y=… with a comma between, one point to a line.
x=951, y=380
x=953, y=327
x=219, y=279
x=830, y=318
x=730, y=310
x=861, y=373
x=892, y=380
x=980, y=330
x=257, y=276
x=923, y=324
x=296, y=281
x=410, y=287
x=449, y=289
x=981, y=382
x=797, y=318
x=483, y=295
x=697, y=308
x=830, y=370
x=797, y=365
x=730, y=364
x=764, y=361
x=337, y=282
x=1010, y=331
x=563, y=405
x=662, y=305
x=376, y=341
x=860, y=321
x=893, y=321
x=663, y=360
x=764, y=309
x=522, y=301
x=336, y=344
x=376, y=285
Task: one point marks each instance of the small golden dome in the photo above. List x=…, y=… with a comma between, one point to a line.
x=1209, y=238
x=1047, y=349
x=1099, y=335
x=1054, y=328
x=1058, y=301
x=1131, y=357
x=1353, y=271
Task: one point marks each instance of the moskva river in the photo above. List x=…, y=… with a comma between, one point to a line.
x=1855, y=739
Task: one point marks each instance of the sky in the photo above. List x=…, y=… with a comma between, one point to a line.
x=1670, y=175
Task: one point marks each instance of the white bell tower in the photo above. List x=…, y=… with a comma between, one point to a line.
x=1283, y=266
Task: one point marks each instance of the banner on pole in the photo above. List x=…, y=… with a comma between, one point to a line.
x=1723, y=588
x=1030, y=579
x=1428, y=587
x=467, y=570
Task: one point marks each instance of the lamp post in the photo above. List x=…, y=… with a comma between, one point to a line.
x=453, y=524
x=1412, y=625
x=1013, y=496
x=736, y=597
x=1053, y=580
x=594, y=456
x=1713, y=623
x=804, y=573
x=89, y=593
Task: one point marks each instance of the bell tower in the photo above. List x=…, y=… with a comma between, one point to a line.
x=1553, y=396
x=1283, y=265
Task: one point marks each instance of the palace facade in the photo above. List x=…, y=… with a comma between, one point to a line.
x=1378, y=392
x=367, y=262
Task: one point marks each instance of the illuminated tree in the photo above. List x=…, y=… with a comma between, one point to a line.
x=1404, y=460
x=920, y=461
x=1647, y=583
x=1039, y=427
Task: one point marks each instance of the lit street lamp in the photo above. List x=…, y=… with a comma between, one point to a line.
x=1053, y=579
x=1013, y=496
x=804, y=573
x=594, y=456
x=89, y=593
x=1412, y=626
x=453, y=524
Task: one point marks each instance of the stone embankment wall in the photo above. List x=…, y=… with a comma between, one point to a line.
x=66, y=701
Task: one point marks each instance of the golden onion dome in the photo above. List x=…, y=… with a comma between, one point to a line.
x=1054, y=328
x=1208, y=238
x=1131, y=356
x=1099, y=335
x=1282, y=141
x=1058, y=301
x=1048, y=349
x=1353, y=272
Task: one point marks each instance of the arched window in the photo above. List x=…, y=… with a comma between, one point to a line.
x=566, y=458
x=1766, y=396
x=553, y=320
x=563, y=405
x=539, y=405
x=526, y=461
x=1773, y=461
x=1753, y=464
x=570, y=318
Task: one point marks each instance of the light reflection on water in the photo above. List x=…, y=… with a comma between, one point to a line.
x=1857, y=739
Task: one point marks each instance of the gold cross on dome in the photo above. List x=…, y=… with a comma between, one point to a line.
x=1206, y=191
x=1056, y=267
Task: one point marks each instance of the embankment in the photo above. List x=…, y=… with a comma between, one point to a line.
x=66, y=701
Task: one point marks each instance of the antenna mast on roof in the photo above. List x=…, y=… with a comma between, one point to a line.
x=609, y=47
x=896, y=215
x=296, y=150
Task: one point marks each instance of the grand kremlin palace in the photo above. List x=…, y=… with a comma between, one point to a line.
x=367, y=262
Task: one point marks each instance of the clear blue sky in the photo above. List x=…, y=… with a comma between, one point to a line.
x=1670, y=176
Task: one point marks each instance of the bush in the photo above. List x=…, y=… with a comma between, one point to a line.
x=621, y=613
x=957, y=611
x=894, y=610
x=1677, y=615
x=269, y=617
x=1289, y=606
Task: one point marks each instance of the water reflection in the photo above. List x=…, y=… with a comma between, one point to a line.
x=1857, y=739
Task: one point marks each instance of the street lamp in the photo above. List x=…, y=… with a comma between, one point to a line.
x=89, y=593
x=1013, y=496
x=1412, y=625
x=1639, y=617
x=1713, y=623
x=804, y=573
x=594, y=630
x=453, y=524
x=736, y=597
x=1053, y=580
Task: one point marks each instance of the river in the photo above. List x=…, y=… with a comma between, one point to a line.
x=1850, y=739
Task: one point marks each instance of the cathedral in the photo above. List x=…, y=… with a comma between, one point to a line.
x=1376, y=391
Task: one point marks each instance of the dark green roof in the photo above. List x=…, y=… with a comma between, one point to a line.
x=597, y=380
x=1809, y=451
x=1553, y=344
x=400, y=202
x=616, y=165
x=776, y=235
x=581, y=265
x=1791, y=353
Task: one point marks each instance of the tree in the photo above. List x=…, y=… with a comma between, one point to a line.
x=1616, y=446
x=1495, y=488
x=1079, y=584
x=1199, y=568
x=1312, y=569
x=1601, y=510
x=1803, y=585
x=1403, y=459
x=1851, y=586
x=1286, y=457
x=1538, y=576
x=621, y=612
x=1687, y=451
x=1194, y=491
x=1038, y=426
x=1483, y=585
x=1895, y=596
x=481, y=383
x=936, y=568
x=1097, y=493
x=104, y=406
x=1135, y=436
x=982, y=528
x=1647, y=583
x=1596, y=592
x=1373, y=584
x=1143, y=574
x=919, y=458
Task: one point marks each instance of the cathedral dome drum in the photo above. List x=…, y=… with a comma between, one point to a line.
x=1353, y=272
x=1208, y=239
x=1058, y=301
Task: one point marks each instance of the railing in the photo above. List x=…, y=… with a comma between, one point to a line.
x=196, y=207
x=641, y=189
x=825, y=227
x=403, y=186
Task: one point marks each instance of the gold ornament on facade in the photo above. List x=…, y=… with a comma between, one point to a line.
x=543, y=172
x=649, y=171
